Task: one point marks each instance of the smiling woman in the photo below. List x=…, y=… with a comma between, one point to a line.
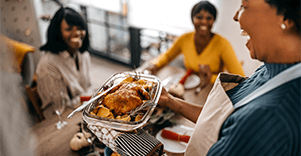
x=73, y=36
x=205, y=52
x=65, y=67
x=259, y=115
x=271, y=34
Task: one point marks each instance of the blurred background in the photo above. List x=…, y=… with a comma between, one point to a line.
x=124, y=34
x=128, y=32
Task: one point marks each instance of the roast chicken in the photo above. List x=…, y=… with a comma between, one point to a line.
x=127, y=96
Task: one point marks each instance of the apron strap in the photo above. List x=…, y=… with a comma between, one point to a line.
x=283, y=77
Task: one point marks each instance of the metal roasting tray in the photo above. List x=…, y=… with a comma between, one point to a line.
x=119, y=124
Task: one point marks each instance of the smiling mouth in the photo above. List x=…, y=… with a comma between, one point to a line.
x=244, y=33
x=203, y=27
x=249, y=43
x=76, y=39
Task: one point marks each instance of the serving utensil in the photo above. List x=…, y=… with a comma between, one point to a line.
x=167, y=82
x=85, y=104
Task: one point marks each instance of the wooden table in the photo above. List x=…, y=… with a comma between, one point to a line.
x=51, y=141
x=189, y=94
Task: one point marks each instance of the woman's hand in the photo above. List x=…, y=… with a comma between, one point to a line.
x=188, y=110
x=164, y=98
x=153, y=69
x=204, y=74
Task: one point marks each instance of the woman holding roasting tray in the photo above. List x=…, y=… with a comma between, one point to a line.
x=259, y=115
x=205, y=52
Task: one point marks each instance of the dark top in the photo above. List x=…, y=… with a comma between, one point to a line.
x=268, y=125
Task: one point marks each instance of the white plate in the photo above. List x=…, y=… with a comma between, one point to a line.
x=175, y=146
x=192, y=81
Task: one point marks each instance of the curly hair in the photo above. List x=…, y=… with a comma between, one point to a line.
x=55, y=42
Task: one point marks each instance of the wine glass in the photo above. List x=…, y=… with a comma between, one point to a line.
x=59, y=109
x=73, y=103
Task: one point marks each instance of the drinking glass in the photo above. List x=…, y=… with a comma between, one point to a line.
x=59, y=109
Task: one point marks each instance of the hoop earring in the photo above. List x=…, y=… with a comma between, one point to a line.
x=283, y=26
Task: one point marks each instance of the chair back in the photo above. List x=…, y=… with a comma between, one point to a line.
x=35, y=100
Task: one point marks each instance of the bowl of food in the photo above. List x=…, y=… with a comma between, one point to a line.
x=129, y=100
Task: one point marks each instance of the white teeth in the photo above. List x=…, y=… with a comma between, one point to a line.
x=203, y=27
x=243, y=33
x=75, y=39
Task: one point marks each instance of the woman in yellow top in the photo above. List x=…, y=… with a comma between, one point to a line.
x=204, y=52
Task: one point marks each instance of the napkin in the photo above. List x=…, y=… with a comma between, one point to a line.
x=137, y=142
x=84, y=98
x=140, y=144
x=183, y=79
x=174, y=136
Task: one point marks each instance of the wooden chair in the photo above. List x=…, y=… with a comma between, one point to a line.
x=35, y=100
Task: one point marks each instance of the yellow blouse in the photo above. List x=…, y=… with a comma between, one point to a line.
x=218, y=54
